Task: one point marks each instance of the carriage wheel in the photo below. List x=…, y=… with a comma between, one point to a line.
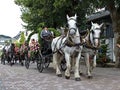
x=40, y=64
x=63, y=65
x=27, y=62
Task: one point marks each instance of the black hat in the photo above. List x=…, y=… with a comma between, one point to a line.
x=44, y=26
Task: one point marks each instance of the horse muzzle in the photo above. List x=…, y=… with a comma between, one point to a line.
x=72, y=32
x=96, y=42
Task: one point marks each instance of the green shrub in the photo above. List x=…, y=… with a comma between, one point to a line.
x=103, y=58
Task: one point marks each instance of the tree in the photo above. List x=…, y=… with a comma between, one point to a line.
x=22, y=38
x=50, y=12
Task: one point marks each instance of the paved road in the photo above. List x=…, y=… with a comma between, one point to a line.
x=19, y=78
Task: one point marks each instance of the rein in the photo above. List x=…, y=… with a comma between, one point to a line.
x=70, y=43
x=60, y=44
x=88, y=43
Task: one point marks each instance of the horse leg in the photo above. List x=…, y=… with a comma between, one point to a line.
x=76, y=74
x=67, y=71
x=20, y=60
x=56, y=63
x=94, y=61
x=72, y=65
x=88, y=65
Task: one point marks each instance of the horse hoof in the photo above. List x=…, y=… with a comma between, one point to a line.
x=59, y=75
x=90, y=77
x=77, y=79
x=11, y=64
x=81, y=73
x=22, y=64
x=67, y=77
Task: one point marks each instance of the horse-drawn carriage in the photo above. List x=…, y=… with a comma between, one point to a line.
x=40, y=54
x=64, y=50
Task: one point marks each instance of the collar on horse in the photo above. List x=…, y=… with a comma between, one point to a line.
x=88, y=43
x=70, y=43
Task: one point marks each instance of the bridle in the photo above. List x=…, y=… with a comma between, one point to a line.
x=72, y=28
x=93, y=33
x=93, y=37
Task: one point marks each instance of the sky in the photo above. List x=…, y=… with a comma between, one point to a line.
x=10, y=21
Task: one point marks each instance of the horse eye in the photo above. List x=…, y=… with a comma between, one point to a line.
x=66, y=25
x=92, y=32
x=77, y=24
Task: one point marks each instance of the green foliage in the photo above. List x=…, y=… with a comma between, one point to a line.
x=32, y=33
x=39, y=31
x=50, y=12
x=22, y=38
x=56, y=33
x=102, y=55
x=18, y=44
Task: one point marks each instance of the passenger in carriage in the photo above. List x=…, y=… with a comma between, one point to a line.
x=32, y=47
x=16, y=49
x=37, y=45
x=32, y=44
x=24, y=47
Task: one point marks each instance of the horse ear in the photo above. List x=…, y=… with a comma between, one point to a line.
x=101, y=25
x=61, y=27
x=75, y=15
x=92, y=23
x=68, y=17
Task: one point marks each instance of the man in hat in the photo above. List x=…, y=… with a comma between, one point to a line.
x=45, y=37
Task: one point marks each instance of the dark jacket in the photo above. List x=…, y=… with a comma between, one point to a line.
x=45, y=33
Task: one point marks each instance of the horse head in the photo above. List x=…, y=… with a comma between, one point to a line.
x=95, y=32
x=73, y=33
x=72, y=24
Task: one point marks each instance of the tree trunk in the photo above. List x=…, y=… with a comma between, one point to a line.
x=115, y=16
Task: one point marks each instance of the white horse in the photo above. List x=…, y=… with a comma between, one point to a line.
x=68, y=47
x=92, y=41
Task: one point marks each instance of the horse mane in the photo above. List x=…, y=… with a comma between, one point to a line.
x=65, y=31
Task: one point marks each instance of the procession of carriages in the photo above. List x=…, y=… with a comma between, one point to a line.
x=64, y=51
x=26, y=54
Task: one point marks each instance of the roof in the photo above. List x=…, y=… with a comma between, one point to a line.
x=98, y=15
x=17, y=36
